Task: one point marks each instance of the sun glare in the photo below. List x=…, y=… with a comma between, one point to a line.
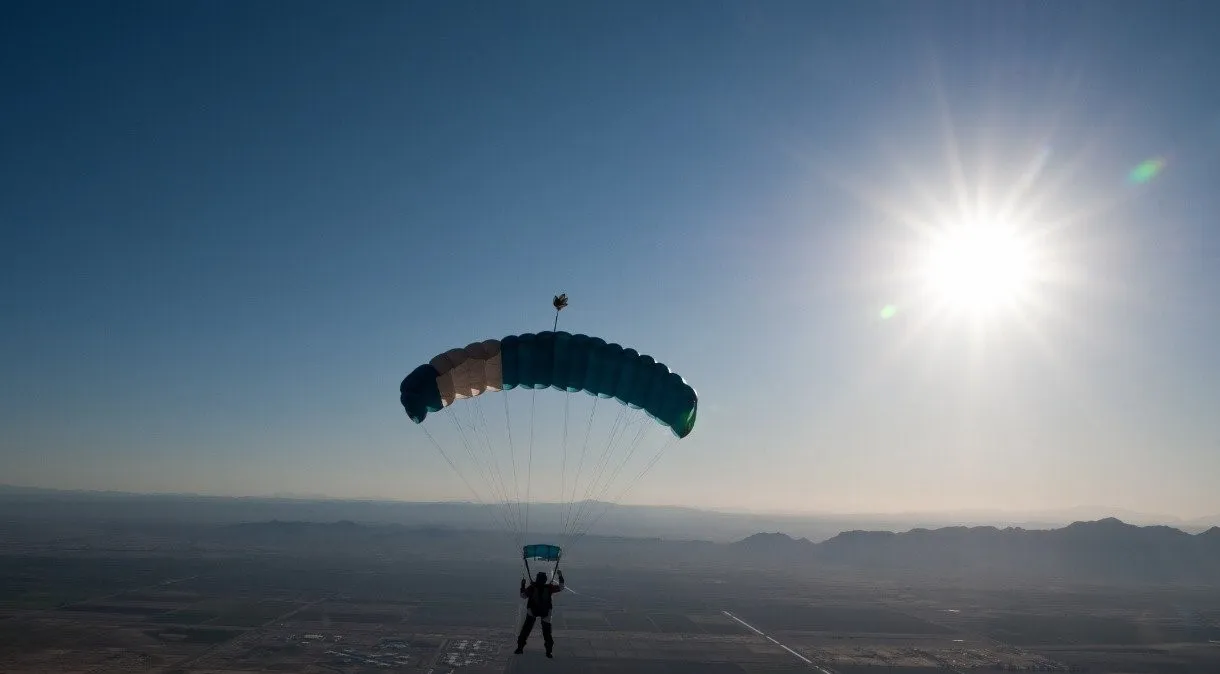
x=978, y=267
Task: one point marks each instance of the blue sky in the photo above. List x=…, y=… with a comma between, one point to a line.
x=229, y=229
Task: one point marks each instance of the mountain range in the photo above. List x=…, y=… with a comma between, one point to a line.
x=618, y=520
x=1102, y=551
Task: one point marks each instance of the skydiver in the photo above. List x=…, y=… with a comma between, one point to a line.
x=538, y=605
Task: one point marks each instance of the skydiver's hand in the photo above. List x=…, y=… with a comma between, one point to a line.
x=522, y=583
x=560, y=574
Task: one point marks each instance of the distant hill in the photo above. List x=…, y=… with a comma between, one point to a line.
x=773, y=546
x=1102, y=551
x=1106, y=551
x=669, y=522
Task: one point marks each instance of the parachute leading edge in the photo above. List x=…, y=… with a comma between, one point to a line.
x=552, y=360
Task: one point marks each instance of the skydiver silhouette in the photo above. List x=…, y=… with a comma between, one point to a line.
x=538, y=605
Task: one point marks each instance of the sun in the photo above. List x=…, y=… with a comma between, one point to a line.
x=978, y=267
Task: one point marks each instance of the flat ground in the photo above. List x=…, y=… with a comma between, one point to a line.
x=195, y=612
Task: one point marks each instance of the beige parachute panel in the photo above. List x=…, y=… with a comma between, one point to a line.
x=468, y=372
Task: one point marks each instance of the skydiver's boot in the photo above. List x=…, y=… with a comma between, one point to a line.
x=547, y=638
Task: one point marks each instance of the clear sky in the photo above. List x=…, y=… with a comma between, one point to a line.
x=230, y=229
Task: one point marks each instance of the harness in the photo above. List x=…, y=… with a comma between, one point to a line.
x=539, y=602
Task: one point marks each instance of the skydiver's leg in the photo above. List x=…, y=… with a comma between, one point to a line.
x=546, y=635
x=526, y=628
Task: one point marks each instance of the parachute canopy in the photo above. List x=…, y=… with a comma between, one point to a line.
x=552, y=360
x=541, y=552
x=558, y=454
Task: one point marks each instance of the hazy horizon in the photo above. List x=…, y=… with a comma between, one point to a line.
x=230, y=230
x=981, y=516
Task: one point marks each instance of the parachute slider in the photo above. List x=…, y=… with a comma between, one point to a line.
x=542, y=552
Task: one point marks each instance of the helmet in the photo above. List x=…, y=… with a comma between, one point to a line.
x=540, y=578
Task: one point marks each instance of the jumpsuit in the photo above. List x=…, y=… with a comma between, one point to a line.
x=538, y=606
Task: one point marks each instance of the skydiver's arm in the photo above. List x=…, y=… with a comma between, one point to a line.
x=524, y=594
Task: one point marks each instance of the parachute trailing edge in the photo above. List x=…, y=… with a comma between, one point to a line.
x=552, y=360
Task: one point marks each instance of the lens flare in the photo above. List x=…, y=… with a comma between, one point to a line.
x=1146, y=170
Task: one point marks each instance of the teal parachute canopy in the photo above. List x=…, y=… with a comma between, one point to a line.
x=559, y=451
x=552, y=360
x=541, y=552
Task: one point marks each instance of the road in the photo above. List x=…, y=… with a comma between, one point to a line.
x=760, y=633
